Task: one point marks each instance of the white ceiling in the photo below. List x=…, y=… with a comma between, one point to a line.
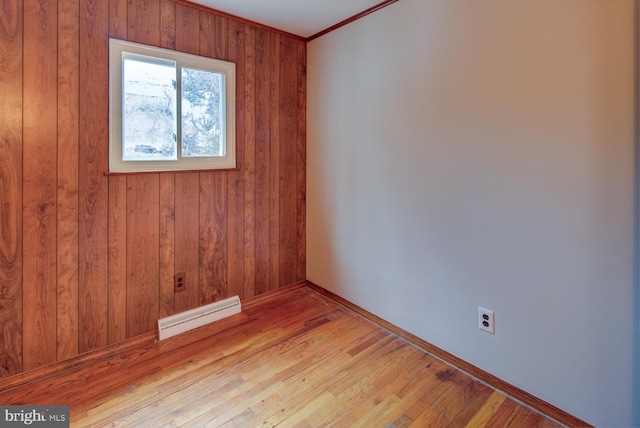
x=302, y=17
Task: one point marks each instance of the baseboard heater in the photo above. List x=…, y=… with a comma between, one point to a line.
x=194, y=318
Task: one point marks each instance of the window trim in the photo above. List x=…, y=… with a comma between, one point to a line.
x=116, y=70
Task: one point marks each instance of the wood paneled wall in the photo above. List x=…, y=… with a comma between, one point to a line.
x=87, y=259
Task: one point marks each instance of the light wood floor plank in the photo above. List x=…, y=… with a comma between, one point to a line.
x=294, y=360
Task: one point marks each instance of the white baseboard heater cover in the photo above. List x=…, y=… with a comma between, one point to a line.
x=194, y=318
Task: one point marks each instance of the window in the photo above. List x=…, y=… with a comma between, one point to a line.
x=169, y=110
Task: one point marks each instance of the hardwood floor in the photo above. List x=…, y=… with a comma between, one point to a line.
x=293, y=359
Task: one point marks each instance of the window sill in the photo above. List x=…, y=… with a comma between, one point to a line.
x=116, y=173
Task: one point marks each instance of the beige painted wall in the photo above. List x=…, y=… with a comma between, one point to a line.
x=467, y=153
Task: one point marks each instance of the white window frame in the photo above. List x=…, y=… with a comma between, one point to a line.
x=116, y=68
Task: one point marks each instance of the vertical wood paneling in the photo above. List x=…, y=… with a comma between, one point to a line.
x=301, y=191
x=102, y=250
x=235, y=246
x=92, y=163
x=143, y=21
x=274, y=166
x=11, y=67
x=213, y=236
x=187, y=29
x=118, y=19
x=167, y=226
x=288, y=159
x=39, y=203
x=263, y=130
x=117, y=288
x=143, y=202
x=117, y=323
x=167, y=301
x=235, y=235
x=117, y=268
x=249, y=165
x=213, y=36
x=187, y=198
x=67, y=168
x=213, y=186
x=167, y=24
x=143, y=254
x=187, y=239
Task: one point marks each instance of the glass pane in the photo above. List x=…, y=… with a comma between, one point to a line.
x=202, y=113
x=149, y=110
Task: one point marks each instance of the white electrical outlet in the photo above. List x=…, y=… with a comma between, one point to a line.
x=486, y=320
